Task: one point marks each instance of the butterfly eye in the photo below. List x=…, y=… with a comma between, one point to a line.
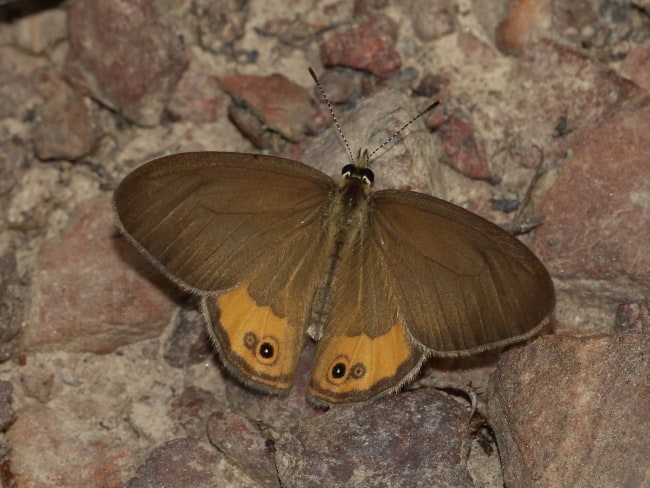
x=367, y=176
x=348, y=170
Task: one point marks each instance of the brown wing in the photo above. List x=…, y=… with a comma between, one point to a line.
x=366, y=349
x=425, y=277
x=243, y=232
x=463, y=284
x=207, y=219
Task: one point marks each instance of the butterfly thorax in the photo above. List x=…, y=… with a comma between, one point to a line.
x=345, y=222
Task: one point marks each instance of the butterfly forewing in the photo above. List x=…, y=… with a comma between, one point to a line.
x=463, y=284
x=207, y=219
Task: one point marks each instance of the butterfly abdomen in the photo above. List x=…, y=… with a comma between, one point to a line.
x=345, y=221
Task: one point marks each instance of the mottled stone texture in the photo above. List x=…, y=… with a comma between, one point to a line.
x=574, y=411
x=127, y=54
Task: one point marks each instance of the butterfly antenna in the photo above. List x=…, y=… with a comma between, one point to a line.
x=413, y=119
x=329, y=106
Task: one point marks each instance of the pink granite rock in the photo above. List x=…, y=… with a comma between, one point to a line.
x=525, y=22
x=185, y=462
x=92, y=456
x=67, y=128
x=412, y=439
x=574, y=412
x=464, y=152
x=198, y=97
x=597, y=215
x=361, y=48
x=636, y=65
x=126, y=54
x=275, y=101
x=86, y=296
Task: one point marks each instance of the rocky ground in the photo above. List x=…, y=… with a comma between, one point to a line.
x=106, y=376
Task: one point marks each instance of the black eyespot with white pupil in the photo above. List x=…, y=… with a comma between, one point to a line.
x=267, y=351
x=341, y=371
x=338, y=371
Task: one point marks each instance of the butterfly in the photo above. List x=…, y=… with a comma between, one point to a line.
x=280, y=253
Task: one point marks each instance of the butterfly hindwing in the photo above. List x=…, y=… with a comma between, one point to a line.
x=366, y=349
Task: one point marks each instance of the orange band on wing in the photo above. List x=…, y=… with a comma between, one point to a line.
x=262, y=346
x=360, y=367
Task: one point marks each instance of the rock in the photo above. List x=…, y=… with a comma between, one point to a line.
x=633, y=317
x=126, y=54
x=573, y=411
x=463, y=150
x=67, y=128
x=596, y=212
x=525, y=22
x=361, y=48
x=244, y=444
x=7, y=414
x=91, y=454
x=432, y=19
x=412, y=439
x=185, y=462
x=86, y=296
x=12, y=303
x=198, y=97
x=636, y=65
x=274, y=101
x=188, y=342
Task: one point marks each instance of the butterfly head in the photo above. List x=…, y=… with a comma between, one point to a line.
x=359, y=173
